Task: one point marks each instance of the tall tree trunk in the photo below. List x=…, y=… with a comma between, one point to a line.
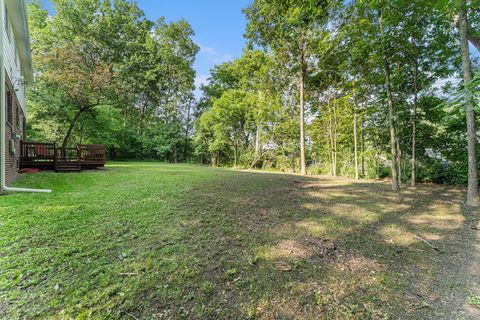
x=125, y=116
x=391, y=115
x=257, y=140
x=235, y=151
x=335, y=137
x=81, y=132
x=355, y=142
x=399, y=162
x=330, y=131
x=257, y=135
x=362, y=143
x=71, y=127
x=414, y=123
x=187, y=129
x=143, y=110
x=473, y=198
x=303, y=165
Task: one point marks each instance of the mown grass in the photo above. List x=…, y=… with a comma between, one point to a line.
x=156, y=241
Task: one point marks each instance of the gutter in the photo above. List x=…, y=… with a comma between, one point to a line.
x=3, y=118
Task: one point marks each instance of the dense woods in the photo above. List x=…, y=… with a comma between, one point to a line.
x=366, y=89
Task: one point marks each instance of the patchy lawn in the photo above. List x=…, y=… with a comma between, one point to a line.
x=156, y=241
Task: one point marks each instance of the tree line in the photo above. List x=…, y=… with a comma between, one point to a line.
x=363, y=88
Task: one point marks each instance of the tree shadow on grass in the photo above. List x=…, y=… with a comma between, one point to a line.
x=382, y=264
x=209, y=245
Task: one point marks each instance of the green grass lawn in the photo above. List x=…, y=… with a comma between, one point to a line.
x=156, y=241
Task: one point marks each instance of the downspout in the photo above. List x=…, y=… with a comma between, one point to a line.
x=3, y=119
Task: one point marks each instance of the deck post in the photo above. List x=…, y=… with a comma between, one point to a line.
x=55, y=155
x=79, y=156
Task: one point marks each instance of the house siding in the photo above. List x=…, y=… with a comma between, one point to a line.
x=14, y=81
x=12, y=64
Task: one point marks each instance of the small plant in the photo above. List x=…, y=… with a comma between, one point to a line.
x=231, y=272
x=474, y=301
x=252, y=260
x=207, y=287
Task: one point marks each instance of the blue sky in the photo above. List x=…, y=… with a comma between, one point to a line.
x=218, y=24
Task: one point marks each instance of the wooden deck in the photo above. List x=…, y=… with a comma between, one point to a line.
x=49, y=156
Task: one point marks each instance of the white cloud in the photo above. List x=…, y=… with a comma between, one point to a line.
x=199, y=80
x=214, y=55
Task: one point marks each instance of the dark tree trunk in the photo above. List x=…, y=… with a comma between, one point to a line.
x=362, y=143
x=235, y=152
x=187, y=129
x=399, y=161
x=330, y=134
x=335, y=137
x=143, y=111
x=125, y=117
x=71, y=127
x=259, y=129
x=414, y=123
x=355, y=143
x=303, y=165
x=391, y=114
x=81, y=132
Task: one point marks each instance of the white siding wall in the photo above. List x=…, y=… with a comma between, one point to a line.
x=12, y=66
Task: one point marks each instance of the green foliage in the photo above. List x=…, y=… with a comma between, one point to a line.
x=106, y=74
x=345, y=80
x=228, y=124
x=128, y=84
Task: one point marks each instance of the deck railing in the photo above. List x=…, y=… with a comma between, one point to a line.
x=34, y=154
x=93, y=154
x=67, y=154
x=38, y=152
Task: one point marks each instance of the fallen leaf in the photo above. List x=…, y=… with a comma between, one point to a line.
x=282, y=266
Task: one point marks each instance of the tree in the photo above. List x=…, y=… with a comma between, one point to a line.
x=86, y=84
x=98, y=55
x=77, y=64
x=226, y=127
x=473, y=197
x=288, y=28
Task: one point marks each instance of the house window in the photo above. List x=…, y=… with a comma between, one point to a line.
x=9, y=103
